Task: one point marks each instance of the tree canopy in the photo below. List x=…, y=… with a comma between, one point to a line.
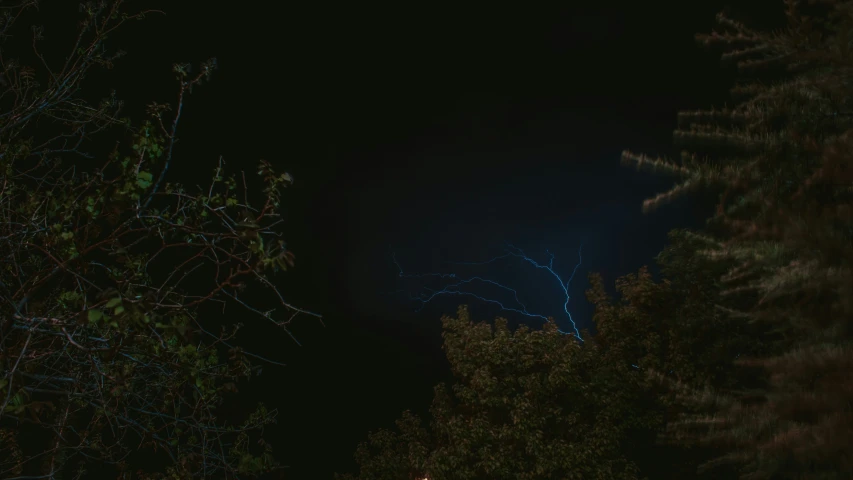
x=781, y=157
x=525, y=404
x=107, y=365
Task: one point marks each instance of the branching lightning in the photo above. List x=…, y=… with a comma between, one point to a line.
x=461, y=286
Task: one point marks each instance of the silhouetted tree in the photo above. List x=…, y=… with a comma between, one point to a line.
x=525, y=404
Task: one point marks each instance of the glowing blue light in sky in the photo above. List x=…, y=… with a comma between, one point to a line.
x=460, y=286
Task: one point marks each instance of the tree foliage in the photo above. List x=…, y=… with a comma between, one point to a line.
x=525, y=404
x=537, y=404
x=105, y=358
x=784, y=225
x=670, y=330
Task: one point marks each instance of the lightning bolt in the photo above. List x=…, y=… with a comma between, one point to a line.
x=460, y=286
x=457, y=286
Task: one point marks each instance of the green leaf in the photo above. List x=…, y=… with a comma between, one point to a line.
x=95, y=315
x=143, y=179
x=118, y=310
x=113, y=302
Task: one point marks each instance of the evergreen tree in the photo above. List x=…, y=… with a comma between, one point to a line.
x=784, y=225
x=670, y=327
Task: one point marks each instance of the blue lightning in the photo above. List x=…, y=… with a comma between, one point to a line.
x=456, y=287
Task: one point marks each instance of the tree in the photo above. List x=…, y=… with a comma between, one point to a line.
x=784, y=225
x=526, y=404
x=106, y=358
x=671, y=330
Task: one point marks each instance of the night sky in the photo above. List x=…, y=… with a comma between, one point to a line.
x=432, y=134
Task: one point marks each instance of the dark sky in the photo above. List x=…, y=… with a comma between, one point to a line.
x=437, y=134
